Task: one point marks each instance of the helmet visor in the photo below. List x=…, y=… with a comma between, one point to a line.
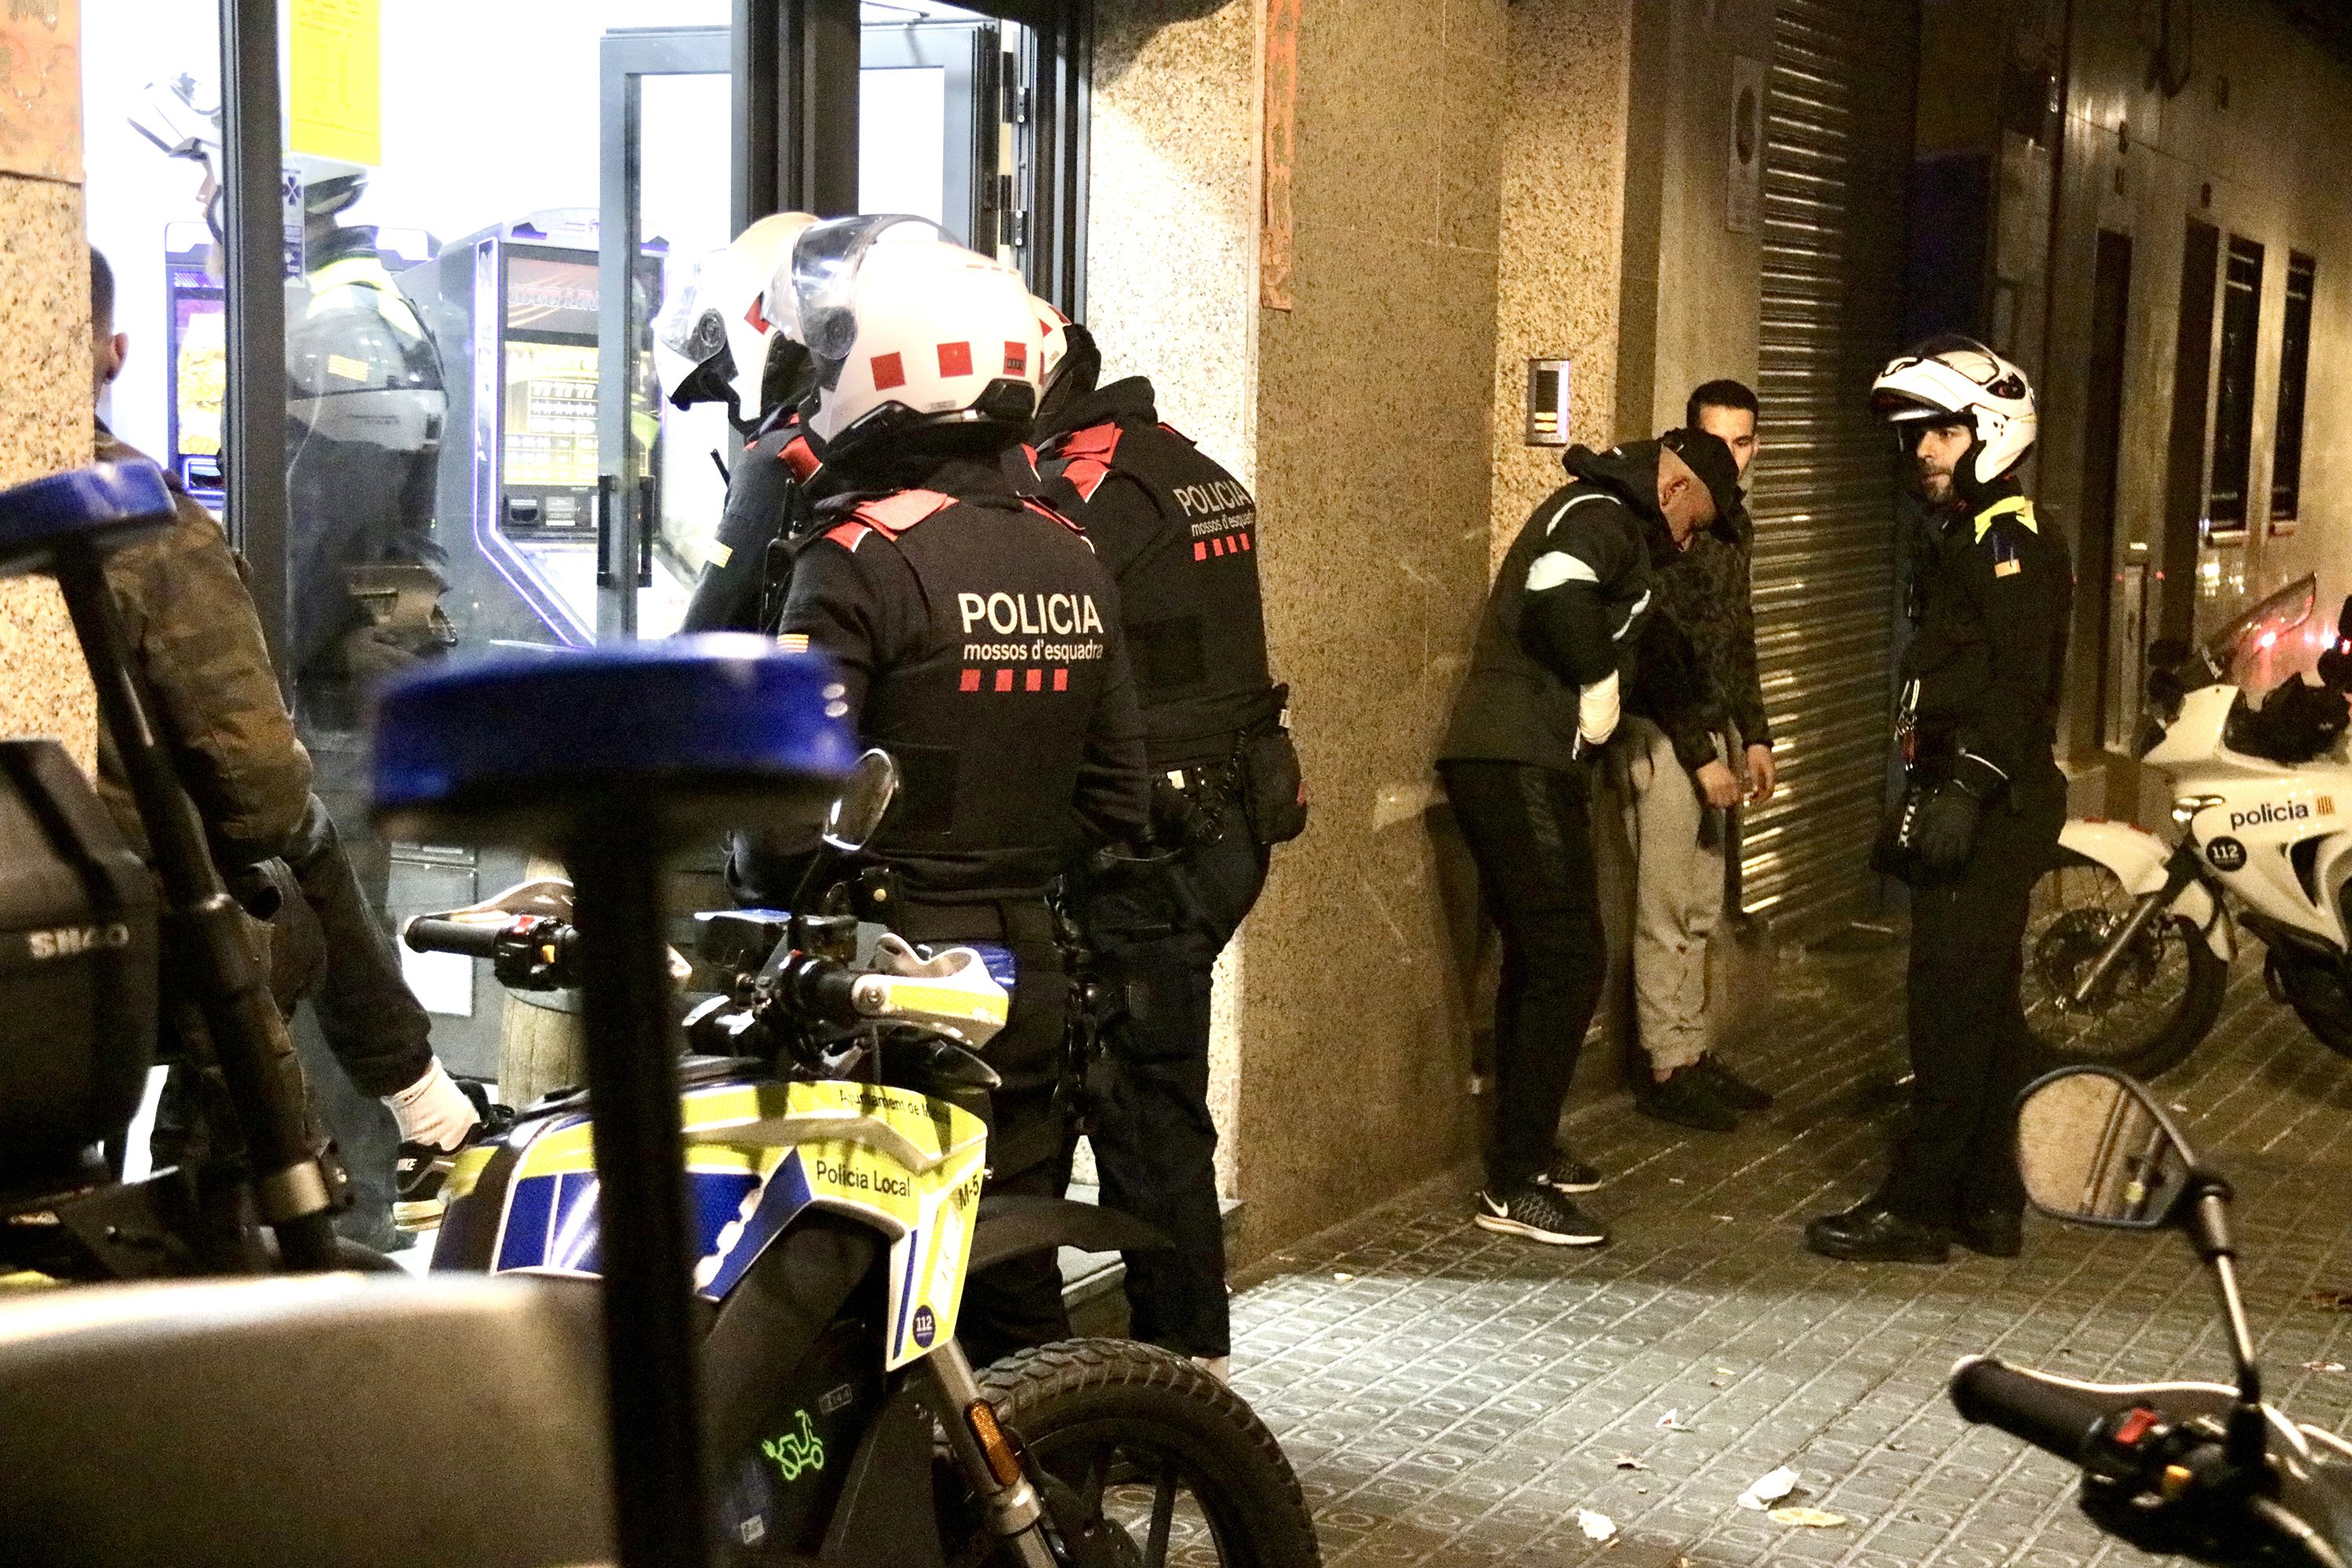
x=686, y=324
x=826, y=261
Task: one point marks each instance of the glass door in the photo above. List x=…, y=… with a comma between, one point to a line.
x=666, y=177
x=928, y=142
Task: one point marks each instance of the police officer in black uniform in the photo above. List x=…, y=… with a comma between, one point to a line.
x=1990, y=594
x=978, y=639
x=1553, y=653
x=1179, y=533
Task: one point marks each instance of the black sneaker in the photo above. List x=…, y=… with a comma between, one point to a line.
x=1567, y=1173
x=1731, y=1087
x=1539, y=1214
x=1686, y=1101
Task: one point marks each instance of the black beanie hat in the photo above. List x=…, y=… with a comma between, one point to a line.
x=1710, y=459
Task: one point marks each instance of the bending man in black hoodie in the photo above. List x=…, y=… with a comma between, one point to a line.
x=1552, y=656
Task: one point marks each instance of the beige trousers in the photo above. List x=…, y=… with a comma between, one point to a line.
x=1677, y=894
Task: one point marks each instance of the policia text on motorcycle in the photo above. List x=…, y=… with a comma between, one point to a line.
x=1978, y=821
x=1554, y=651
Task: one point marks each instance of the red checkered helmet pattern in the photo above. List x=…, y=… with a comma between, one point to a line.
x=907, y=328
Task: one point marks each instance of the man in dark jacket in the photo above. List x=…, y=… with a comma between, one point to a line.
x=190, y=621
x=1178, y=534
x=1552, y=656
x=1695, y=725
x=978, y=641
x=1991, y=596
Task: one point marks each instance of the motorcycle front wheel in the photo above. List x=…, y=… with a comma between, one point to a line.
x=2318, y=992
x=1146, y=1460
x=2151, y=1009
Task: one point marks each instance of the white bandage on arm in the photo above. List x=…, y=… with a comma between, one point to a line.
x=1597, y=710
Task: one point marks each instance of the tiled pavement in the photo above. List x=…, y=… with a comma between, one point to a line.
x=1448, y=1396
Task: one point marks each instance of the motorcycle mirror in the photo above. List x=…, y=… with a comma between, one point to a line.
x=864, y=801
x=2093, y=1148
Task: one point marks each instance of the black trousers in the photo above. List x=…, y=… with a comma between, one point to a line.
x=1970, y=1051
x=1530, y=834
x=1155, y=938
x=1018, y=1303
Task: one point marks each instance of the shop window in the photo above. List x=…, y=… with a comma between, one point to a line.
x=2294, y=367
x=2233, y=414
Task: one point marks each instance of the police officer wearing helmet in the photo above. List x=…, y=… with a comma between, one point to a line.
x=722, y=337
x=1978, y=822
x=978, y=639
x=1179, y=533
x=1552, y=657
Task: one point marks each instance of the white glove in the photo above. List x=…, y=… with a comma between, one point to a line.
x=434, y=1109
x=1597, y=710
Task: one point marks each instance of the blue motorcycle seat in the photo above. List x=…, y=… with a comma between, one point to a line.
x=105, y=503
x=721, y=729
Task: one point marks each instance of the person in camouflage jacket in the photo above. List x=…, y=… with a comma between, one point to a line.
x=1698, y=743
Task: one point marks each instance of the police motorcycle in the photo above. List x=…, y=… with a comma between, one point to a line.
x=263, y=1421
x=2205, y=1470
x=833, y=1150
x=2131, y=937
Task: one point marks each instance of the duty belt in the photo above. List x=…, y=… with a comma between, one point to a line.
x=1015, y=922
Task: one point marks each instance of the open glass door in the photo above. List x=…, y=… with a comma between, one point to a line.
x=666, y=177
x=935, y=118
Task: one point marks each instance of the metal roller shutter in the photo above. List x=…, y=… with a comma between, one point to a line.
x=1836, y=170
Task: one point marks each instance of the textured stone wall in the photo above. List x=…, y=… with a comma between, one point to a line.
x=1562, y=156
x=1373, y=479
x=44, y=429
x=1455, y=207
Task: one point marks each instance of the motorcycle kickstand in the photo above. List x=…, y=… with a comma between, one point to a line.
x=1015, y=1512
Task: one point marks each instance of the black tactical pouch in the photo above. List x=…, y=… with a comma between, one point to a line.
x=1273, y=789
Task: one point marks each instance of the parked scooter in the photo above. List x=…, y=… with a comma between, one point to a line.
x=1078, y=1454
x=2202, y=1469
x=835, y=1150
x=2131, y=938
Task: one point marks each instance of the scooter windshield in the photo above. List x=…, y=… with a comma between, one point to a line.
x=2252, y=648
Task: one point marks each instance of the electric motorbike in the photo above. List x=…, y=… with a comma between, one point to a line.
x=2202, y=1469
x=832, y=1107
x=2131, y=937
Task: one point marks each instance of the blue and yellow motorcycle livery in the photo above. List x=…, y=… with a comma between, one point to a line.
x=836, y=1146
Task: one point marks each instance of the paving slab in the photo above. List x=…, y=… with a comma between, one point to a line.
x=1450, y=1395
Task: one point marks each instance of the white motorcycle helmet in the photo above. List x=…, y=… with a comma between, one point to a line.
x=1069, y=364
x=912, y=335
x=1958, y=378
x=713, y=337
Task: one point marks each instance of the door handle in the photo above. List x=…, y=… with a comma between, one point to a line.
x=645, y=493
x=604, y=486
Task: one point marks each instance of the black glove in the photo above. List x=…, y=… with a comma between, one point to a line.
x=1948, y=827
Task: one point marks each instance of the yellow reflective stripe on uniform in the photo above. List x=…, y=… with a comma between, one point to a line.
x=2008, y=506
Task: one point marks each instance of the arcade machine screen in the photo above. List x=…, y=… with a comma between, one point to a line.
x=195, y=326
x=548, y=443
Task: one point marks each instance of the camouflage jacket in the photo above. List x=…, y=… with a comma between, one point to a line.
x=1707, y=623
x=189, y=622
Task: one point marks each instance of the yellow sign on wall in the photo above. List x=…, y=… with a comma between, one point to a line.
x=335, y=80
x=40, y=88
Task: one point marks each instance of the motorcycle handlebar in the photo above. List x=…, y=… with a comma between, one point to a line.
x=2027, y=1406
x=827, y=989
x=425, y=934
